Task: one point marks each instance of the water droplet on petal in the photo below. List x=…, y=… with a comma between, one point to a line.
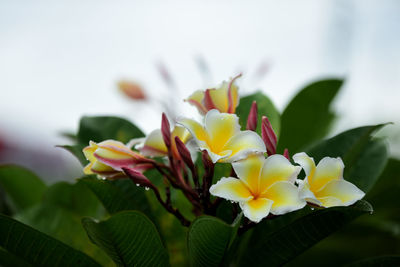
x=312, y=208
x=137, y=184
x=146, y=188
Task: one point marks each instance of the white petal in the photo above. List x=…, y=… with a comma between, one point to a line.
x=248, y=170
x=306, y=194
x=220, y=128
x=231, y=189
x=277, y=168
x=257, y=209
x=243, y=144
x=306, y=162
x=285, y=196
x=328, y=169
x=343, y=190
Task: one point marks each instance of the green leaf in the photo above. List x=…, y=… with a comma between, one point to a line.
x=59, y=215
x=129, y=238
x=22, y=186
x=37, y=248
x=308, y=116
x=265, y=108
x=118, y=195
x=364, y=157
x=102, y=128
x=277, y=247
x=209, y=239
x=377, y=261
x=9, y=260
x=76, y=150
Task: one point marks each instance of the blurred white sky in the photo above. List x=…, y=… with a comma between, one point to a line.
x=60, y=60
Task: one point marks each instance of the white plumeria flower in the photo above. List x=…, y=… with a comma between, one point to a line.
x=222, y=138
x=324, y=184
x=264, y=186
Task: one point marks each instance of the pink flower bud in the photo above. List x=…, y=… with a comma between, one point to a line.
x=184, y=152
x=268, y=135
x=137, y=177
x=166, y=131
x=252, y=119
x=132, y=90
x=286, y=153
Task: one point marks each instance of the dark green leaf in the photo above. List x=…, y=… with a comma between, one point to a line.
x=209, y=239
x=129, y=238
x=377, y=261
x=22, y=186
x=274, y=248
x=265, y=108
x=118, y=195
x=76, y=150
x=9, y=260
x=59, y=215
x=364, y=157
x=308, y=116
x=37, y=248
x=99, y=129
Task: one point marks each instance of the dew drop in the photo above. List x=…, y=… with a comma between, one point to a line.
x=146, y=188
x=312, y=208
x=232, y=201
x=137, y=184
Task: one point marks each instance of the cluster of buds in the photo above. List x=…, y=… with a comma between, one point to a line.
x=262, y=182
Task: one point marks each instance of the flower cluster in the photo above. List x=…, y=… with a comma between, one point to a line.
x=262, y=182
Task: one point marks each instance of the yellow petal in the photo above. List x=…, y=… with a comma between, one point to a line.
x=196, y=99
x=196, y=130
x=235, y=98
x=89, y=151
x=182, y=133
x=329, y=202
x=101, y=168
x=231, y=189
x=248, y=170
x=256, y=209
x=306, y=162
x=219, y=97
x=285, y=196
x=220, y=128
x=243, y=144
x=343, y=190
x=328, y=169
x=277, y=168
x=154, y=145
x=88, y=169
x=306, y=194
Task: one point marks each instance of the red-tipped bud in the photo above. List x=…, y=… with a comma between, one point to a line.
x=252, y=119
x=184, y=152
x=166, y=131
x=268, y=135
x=286, y=153
x=138, y=178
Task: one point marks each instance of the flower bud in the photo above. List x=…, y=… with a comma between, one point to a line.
x=286, y=153
x=252, y=119
x=166, y=131
x=137, y=177
x=132, y=90
x=268, y=135
x=109, y=157
x=184, y=152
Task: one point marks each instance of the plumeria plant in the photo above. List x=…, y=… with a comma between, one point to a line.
x=223, y=190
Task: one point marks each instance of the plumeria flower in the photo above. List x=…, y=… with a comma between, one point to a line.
x=264, y=186
x=154, y=145
x=324, y=184
x=224, y=98
x=109, y=157
x=222, y=138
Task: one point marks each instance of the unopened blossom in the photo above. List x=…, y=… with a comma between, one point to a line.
x=264, y=186
x=222, y=138
x=109, y=157
x=131, y=89
x=223, y=98
x=154, y=144
x=324, y=184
